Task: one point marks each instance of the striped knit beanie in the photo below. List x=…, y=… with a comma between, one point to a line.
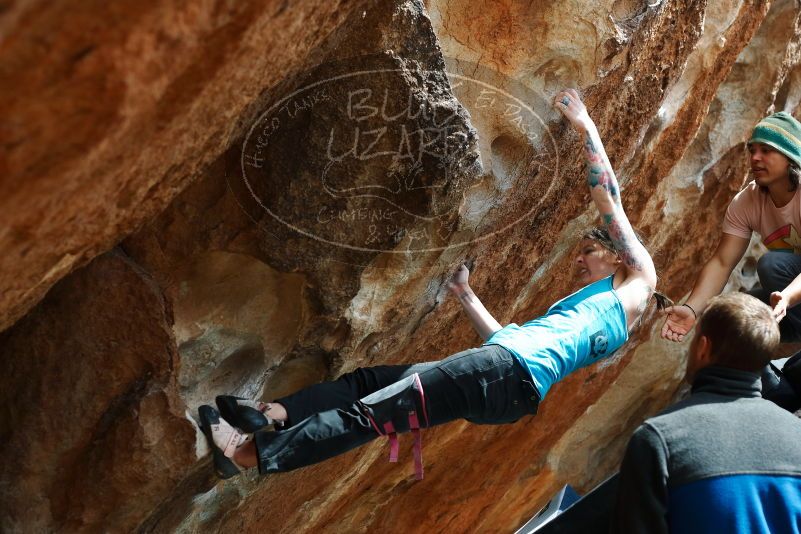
x=782, y=132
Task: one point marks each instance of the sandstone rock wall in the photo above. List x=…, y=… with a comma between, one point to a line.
x=215, y=197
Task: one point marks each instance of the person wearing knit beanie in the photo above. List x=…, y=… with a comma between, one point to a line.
x=782, y=132
x=779, y=133
x=770, y=205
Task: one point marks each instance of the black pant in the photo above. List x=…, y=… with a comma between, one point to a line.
x=776, y=270
x=485, y=385
x=783, y=387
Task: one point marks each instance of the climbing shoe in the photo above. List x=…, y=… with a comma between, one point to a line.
x=222, y=437
x=244, y=413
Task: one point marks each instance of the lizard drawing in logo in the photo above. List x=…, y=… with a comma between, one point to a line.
x=785, y=239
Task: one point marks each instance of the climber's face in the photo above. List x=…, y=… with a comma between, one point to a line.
x=594, y=261
x=768, y=165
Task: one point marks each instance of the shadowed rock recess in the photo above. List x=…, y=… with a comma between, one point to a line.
x=244, y=197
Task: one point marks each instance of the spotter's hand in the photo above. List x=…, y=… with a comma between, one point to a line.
x=679, y=321
x=779, y=304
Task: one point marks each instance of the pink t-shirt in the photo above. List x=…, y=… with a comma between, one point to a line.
x=751, y=210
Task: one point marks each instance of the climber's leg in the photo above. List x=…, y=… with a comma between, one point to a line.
x=251, y=415
x=483, y=385
x=340, y=393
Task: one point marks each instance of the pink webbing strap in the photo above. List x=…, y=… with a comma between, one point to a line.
x=414, y=424
x=393, y=441
x=372, y=422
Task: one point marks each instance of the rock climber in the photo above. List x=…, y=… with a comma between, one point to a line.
x=499, y=382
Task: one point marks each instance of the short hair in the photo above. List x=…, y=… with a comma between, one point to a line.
x=601, y=235
x=742, y=331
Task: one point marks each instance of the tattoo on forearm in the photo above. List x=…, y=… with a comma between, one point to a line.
x=623, y=238
x=466, y=296
x=597, y=173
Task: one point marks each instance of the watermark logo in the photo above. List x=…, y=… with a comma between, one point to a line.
x=390, y=157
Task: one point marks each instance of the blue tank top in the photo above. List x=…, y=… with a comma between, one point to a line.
x=577, y=331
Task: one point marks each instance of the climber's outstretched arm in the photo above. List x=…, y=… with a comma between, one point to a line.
x=482, y=320
x=605, y=190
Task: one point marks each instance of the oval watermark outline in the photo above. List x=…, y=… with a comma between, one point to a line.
x=450, y=76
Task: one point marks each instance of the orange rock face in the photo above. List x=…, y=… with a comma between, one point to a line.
x=243, y=198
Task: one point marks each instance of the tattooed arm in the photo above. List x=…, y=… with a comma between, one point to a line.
x=605, y=191
x=484, y=323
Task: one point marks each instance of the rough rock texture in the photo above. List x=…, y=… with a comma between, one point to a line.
x=115, y=108
x=286, y=189
x=91, y=411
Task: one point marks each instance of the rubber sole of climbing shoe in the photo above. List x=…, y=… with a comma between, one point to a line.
x=223, y=467
x=245, y=418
